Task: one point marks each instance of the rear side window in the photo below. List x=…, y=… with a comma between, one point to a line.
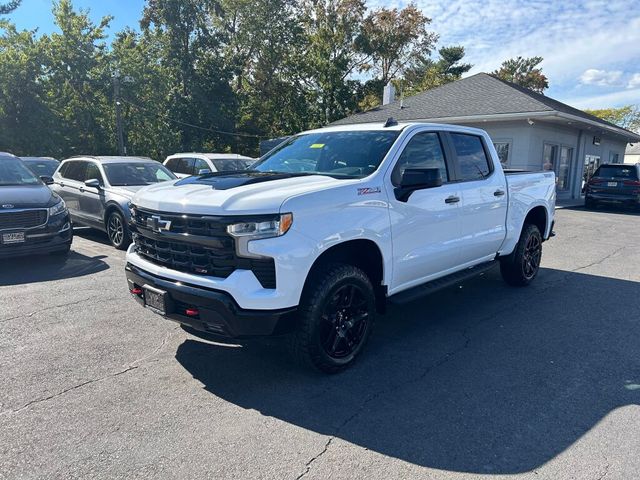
x=423, y=151
x=472, y=159
x=630, y=171
x=181, y=165
x=75, y=171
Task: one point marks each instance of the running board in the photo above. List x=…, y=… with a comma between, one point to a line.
x=420, y=291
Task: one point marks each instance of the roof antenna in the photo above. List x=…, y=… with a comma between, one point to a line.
x=390, y=122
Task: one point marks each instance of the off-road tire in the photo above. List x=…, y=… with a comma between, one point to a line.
x=519, y=268
x=315, y=325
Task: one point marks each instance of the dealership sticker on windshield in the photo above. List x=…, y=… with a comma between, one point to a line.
x=317, y=145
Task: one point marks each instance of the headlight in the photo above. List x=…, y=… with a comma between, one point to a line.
x=263, y=229
x=58, y=208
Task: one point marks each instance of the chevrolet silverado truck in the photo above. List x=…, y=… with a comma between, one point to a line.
x=318, y=235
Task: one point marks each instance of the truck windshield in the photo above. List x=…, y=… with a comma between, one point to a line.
x=13, y=172
x=132, y=174
x=353, y=154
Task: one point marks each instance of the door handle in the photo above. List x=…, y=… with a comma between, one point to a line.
x=81, y=189
x=61, y=184
x=498, y=193
x=452, y=199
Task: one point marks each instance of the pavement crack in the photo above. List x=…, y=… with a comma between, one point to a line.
x=52, y=307
x=316, y=457
x=598, y=262
x=131, y=366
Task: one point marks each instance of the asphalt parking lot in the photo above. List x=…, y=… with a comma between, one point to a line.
x=482, y=379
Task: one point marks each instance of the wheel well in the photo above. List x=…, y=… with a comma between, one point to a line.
x=363, y=254
x=108, y=210
x=537, y=216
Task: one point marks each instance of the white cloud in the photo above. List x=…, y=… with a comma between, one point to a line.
x=602, y=78
x=623, y=97
x=634, y=81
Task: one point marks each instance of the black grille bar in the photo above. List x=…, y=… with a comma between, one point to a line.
x=28, y=218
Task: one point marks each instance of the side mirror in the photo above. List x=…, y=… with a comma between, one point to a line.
x=93, y=183
x=204, y=171
x=417, y=179
x=47, y=179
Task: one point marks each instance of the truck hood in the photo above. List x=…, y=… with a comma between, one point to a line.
x=230, y=193
x=27, y=196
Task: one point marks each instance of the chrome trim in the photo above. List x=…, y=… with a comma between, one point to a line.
x=46, y=219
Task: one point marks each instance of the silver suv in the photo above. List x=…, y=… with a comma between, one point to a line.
x=97, y=191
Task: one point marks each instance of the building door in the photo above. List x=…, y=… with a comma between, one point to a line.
x=563, y=170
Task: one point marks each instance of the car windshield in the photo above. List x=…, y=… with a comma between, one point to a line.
x=629, y=171
x=133, y=174
x=14, y=172
x=230, y=164
x=353, y=154
x=42, y=167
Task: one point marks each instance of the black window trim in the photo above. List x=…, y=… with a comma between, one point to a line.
x=454, y=156
x=451, y=172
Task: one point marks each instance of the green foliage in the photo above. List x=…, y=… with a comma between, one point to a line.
x=626, y=117
x=9, y=7
x=524, y=72
x=427, y=73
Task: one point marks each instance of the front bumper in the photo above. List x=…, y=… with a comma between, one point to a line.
x=55, y=236
x=219, y=314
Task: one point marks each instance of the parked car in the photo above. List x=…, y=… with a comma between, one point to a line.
x=614, y=184
x=97, y=190
x=329, y=227
x=33, y=219
x=187, y=164
x=41, y=165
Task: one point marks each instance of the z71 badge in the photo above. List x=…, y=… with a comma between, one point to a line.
x=369, y=190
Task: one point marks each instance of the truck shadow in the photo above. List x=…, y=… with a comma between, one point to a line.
x=481, y=378
x=45, y=268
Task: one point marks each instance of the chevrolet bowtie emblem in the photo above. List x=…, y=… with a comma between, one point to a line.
x=157, y=224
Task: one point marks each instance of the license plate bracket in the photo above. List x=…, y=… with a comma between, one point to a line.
x=612, y=184
x=11, y=238
x=155, y=299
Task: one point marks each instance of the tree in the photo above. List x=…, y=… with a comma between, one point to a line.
x=626, y=117
x=394, y=39
x=524, y=72
x=427, y=73
x=6, y=8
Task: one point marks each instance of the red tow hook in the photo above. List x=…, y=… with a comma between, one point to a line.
x=192, y=312
x=136, y=291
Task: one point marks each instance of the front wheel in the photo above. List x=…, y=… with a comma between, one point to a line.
x=521, y=267
x=118, y=231
x=337, y=314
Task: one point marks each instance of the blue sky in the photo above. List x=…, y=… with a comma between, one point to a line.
x=591, y=48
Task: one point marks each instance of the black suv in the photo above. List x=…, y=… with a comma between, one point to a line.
x=33, y=219
x=614, y=183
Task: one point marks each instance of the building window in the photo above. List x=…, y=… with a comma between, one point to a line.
x=502, y=148
x=549, y=155
x=591, y=163
x=564, y=168
x=613, y=157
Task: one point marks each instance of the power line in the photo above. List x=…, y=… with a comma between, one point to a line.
x=166, y=117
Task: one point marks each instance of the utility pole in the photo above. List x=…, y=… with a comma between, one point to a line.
x=116, y=96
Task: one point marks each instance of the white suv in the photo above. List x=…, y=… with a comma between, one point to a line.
x=187, y=164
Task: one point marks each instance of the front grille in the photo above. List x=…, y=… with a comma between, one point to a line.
x=23, y=219
x=213, y=253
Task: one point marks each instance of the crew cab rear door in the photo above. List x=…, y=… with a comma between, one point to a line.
x=484, y=197
x=425, y=227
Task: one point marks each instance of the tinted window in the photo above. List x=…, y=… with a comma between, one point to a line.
x=629, y=171
x=75, y=171
x=199, y=164
x=42, y=167
x=185, y=166
x=93, y=172
x=129, y=174
x=424, y=150
x=230, y=164
x=171, y=164
x=353, y=154
x=472, y=159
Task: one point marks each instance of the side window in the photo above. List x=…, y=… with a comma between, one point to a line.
x=424, y=150
x=171, y=164
x=473, y=162
x=200, y=164
x=63, y=170
x=93, y=172
x=76, y=171
x=184, y=166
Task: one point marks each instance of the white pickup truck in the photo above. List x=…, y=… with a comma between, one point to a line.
x=328, y=227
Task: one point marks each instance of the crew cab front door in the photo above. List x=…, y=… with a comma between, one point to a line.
x=426, y=227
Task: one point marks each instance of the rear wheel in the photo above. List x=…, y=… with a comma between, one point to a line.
x=118, y=231
x=337, y=314
x=589, y=203
x=521, y=267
